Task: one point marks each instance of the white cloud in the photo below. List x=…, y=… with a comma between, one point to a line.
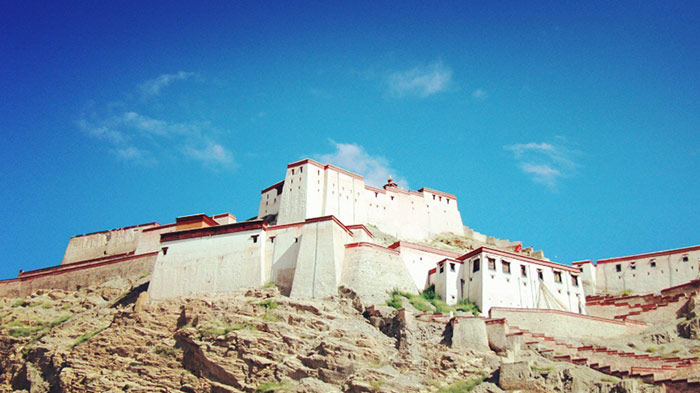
x=545, y=163
x=352, y=157
x=132, y=135
x=153, y=87
x=480, y=94
x=420, y=81
x=210, y=154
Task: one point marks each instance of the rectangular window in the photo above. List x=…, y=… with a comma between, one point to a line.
x=477, y=265
x=506, y=267
x=618, y=268
x=442, y=268
x=633, y=266
x=557, y=277
x=574, y=281
x=685, y=258
x=452, y=267
x=523, y=271
x=540, y=275
x=652, y=263
x=255, y=238
x=492, y=263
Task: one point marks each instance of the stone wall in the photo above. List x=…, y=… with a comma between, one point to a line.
x=562, y=324
x=105, y=243
x=373, y=272
x=75, y=276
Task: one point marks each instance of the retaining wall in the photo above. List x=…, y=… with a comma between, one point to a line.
x=563, y=324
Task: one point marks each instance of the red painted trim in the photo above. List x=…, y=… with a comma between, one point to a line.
x=432, y=271
x=343, y=171
x=285, y=226
x=327, y=218
x=450, y=260
x=436, y=192
x=60, y=268
x=196, y=218
x=159, y=227
x=650, y=255
x=224, y=215
x=213, y=231
x=78, y=263
x=579, y=263
x=374, y=189
x=691, y=283
x=521, y=258
x=360, y=226
x=278, y=184
x=305, y=161
x=423, y=248
x=117, y=229
x=567, y=313
x=371, y=245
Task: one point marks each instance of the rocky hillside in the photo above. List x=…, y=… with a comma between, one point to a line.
x=109, y=338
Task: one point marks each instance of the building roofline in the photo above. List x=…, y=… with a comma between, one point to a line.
x=371, y=245
x=118, y=229
x=553, y=265
x=423, y=248
x=579, y=263
x=278, y=184
x=361, y=226
x=213, y=231
x=196, y=217
x=650, y=254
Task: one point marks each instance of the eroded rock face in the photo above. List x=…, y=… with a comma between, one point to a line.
x=691, y=327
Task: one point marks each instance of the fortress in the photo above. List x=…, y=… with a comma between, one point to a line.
x=322, y=227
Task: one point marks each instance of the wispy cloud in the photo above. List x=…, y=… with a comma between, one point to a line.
x=152, y=87
x=545, y=163
x=375, y=169
x=133, y=136
x=420, y=81
x=480, y=94
x=210, y=154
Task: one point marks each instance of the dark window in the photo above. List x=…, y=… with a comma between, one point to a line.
x=477, y=265
x=540, y=275
x=296, y=240
x=523, y=271
x=492, y=263
x=272, y=239
x=633, y=266
x=301, y=169
x=452, y=267
x=255, y=238
x=557, y=277
x=506, y=267
x=442, y=268
x=292, y=171
x=618, y=268
x=165, y=250
x=685, y=258
x=574, y=280
x=653, y=263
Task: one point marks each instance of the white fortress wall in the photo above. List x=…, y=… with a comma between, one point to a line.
x=419, y=260
x=321, y=253
x=314, y=190
x=649, y=272
x=149, y=239
x=284, y=242
x=447, y=280
x=373, y=271
x=209, y=260
x=588, y=276
x=105, y=243
x=270, y=200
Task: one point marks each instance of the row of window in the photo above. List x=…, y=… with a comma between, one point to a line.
x=652, y=263
x=505, y=267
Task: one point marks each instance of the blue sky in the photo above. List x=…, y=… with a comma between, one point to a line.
x=572, y=127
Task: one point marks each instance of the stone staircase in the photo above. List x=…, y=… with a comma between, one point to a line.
x=673, y=373
x=647, y=308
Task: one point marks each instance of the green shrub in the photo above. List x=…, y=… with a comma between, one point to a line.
x=18, y=303
x=395, y=302
x=269, y=317
x=59, y=320
x=165, y=351
x=465, y=385
x=429, y=293
x=465, y=305
x=269, y=285
x=271, y=387
x=85, y=337
x=441, y=307
x=419, y=303
x=269, y=304
x=20, y=332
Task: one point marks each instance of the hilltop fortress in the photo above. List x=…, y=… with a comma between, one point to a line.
x=322, y=227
